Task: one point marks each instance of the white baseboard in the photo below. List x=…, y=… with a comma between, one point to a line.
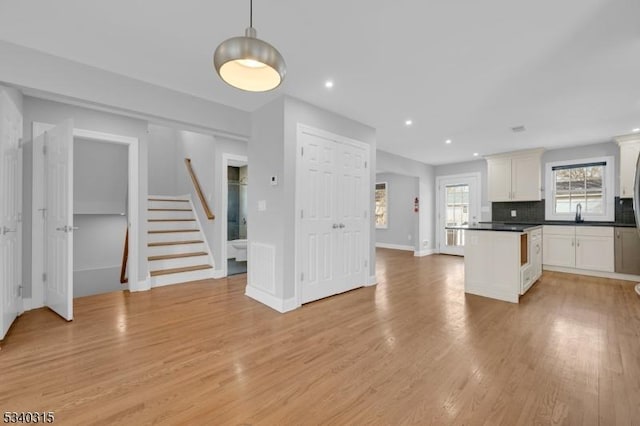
x=217, y=274
x=395, y=246
x=143, y=285
x=599, y=274
x=275, y=303
x=371, y=281
x=421, y=253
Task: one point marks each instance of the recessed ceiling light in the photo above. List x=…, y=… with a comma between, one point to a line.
x=408, y=122
x=448, y=141
x=328, y=84
x=636, y=130
x=475, y=154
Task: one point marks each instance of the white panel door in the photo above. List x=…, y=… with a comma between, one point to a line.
x=318, y=223
x=58, y=289
x=10, y=213
x=351, y=218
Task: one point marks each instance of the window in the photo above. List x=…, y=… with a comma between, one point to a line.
x=588, y=183
x=382, y=218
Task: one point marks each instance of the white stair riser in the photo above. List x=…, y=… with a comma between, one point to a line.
x=179, y=249
x=181, y=262
x=168, y=205
x=175, y=236
x=183, y=277
x=161, y=214
x=160, y=226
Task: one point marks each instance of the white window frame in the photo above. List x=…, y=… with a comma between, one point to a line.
x=386, y=203
x=608, y=199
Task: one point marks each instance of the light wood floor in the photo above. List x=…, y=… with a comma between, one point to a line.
x=413, y=349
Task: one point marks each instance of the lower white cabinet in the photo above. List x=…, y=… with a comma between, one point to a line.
x=580, y=247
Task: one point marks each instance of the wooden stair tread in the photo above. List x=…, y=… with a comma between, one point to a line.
x=171, y=220
x=173, y=231
x=179, y=270
x=174, y=243
x=168, y=200
x=170, y=210
x=177, y=256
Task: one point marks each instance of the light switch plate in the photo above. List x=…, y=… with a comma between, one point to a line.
x=262, y=205
x=514, y=213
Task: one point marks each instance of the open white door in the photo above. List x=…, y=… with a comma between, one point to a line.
x=58, y=284
x=10, y=213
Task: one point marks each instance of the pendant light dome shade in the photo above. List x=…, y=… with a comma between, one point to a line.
x=250, y=64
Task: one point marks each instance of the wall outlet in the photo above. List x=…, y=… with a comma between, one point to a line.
x=262, y=205
x=514, y=213
x=274, y=180
x=425, y=243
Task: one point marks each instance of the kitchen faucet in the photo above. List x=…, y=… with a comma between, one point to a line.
x=579, y=213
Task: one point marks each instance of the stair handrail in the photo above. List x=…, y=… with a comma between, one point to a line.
x=125, y=259
x=196, y=184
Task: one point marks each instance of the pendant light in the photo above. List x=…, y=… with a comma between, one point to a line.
x=248, y=63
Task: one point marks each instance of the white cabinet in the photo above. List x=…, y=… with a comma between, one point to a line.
x=559, y=246
x=499, y=179
x=515, y=176
x=532, y=271
x=582, y=247
x=629, y=151
x=595, y=248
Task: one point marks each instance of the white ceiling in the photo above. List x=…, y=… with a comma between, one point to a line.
x=467, y=70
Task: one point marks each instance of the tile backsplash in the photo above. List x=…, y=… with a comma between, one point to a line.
x=527, y=211
x=533, y=211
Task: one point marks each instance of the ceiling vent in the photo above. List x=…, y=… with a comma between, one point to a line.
x=518, y=129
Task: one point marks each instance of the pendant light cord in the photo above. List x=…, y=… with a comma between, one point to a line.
x=251, y=13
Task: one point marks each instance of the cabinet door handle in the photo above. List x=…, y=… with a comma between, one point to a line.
x=578, y=244
x=573, y=243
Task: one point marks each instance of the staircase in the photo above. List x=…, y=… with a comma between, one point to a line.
x=178, y=251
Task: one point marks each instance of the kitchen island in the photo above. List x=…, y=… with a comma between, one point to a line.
x=501, y=261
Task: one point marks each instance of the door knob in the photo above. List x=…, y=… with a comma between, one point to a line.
x=6, y=230
x=341, y=225
x=336, y=226
x=67, y=228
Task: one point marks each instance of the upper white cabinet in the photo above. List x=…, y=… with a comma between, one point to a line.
x=515, y=176
x=629, y=151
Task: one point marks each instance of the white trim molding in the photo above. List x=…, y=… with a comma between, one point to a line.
x=373, y=280
x=422, y=253
x=275, y=303
x=588, y=273
x=395, y=246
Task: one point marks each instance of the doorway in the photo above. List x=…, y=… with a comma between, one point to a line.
x=53, y=210
x=235, y=187
x=457, y=205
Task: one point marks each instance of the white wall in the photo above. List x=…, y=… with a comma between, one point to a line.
x=273, y=144
x=402, y=227
x=45, y=111
x=477, y=166
x=100, y=177
x=67, y=81
x=97, y=253
x=391, y=163
x=163, y=142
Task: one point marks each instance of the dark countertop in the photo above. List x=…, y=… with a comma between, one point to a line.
x=502, y=227
x=563, y=223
